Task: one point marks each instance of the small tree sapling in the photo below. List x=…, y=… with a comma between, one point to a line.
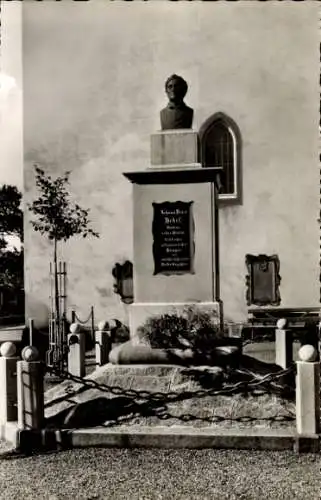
x=58, y=218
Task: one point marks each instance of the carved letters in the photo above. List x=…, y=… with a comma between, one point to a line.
x=173, y=233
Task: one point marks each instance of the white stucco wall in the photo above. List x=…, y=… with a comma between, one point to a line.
x=93, y=88
x=11, y=134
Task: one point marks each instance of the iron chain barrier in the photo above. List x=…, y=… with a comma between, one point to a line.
x=90, y=319
x=82, y=322
x=146, y=403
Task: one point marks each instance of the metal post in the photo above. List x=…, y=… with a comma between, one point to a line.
x=92, y=324
x=31, y=325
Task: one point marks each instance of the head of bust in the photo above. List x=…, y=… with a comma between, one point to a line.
x=176, y=88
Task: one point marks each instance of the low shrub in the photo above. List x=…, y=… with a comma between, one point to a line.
x=192, y=329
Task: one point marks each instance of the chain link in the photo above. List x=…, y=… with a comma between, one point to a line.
x=262, y=338
x=246, y=386
x=86, y=321
x=256, y=386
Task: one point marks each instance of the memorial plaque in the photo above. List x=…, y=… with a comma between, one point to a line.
x=173, y=233
x=263, y=280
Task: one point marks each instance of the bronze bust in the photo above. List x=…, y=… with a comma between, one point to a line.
x=176, y=115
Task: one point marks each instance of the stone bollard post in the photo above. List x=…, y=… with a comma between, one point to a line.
x=8, y=383
x=103, y=341
x=30, y=374
x=308, y=391
x=77, y=350
x=283, y=344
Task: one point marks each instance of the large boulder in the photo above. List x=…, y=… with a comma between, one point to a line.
x=135, y=353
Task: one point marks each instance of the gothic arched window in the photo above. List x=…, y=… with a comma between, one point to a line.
x=220, y=147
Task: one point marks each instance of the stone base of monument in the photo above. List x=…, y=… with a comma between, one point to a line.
x=139, y=313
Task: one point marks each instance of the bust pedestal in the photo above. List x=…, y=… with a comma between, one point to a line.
x=175, y=235
x=175, y=148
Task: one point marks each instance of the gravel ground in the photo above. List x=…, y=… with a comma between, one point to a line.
x=161, y=474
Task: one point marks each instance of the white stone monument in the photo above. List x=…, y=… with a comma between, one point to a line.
x=176, y=258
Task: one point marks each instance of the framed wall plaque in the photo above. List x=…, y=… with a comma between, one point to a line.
x=173, y=237
x=263, y=280
x=123, y=286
